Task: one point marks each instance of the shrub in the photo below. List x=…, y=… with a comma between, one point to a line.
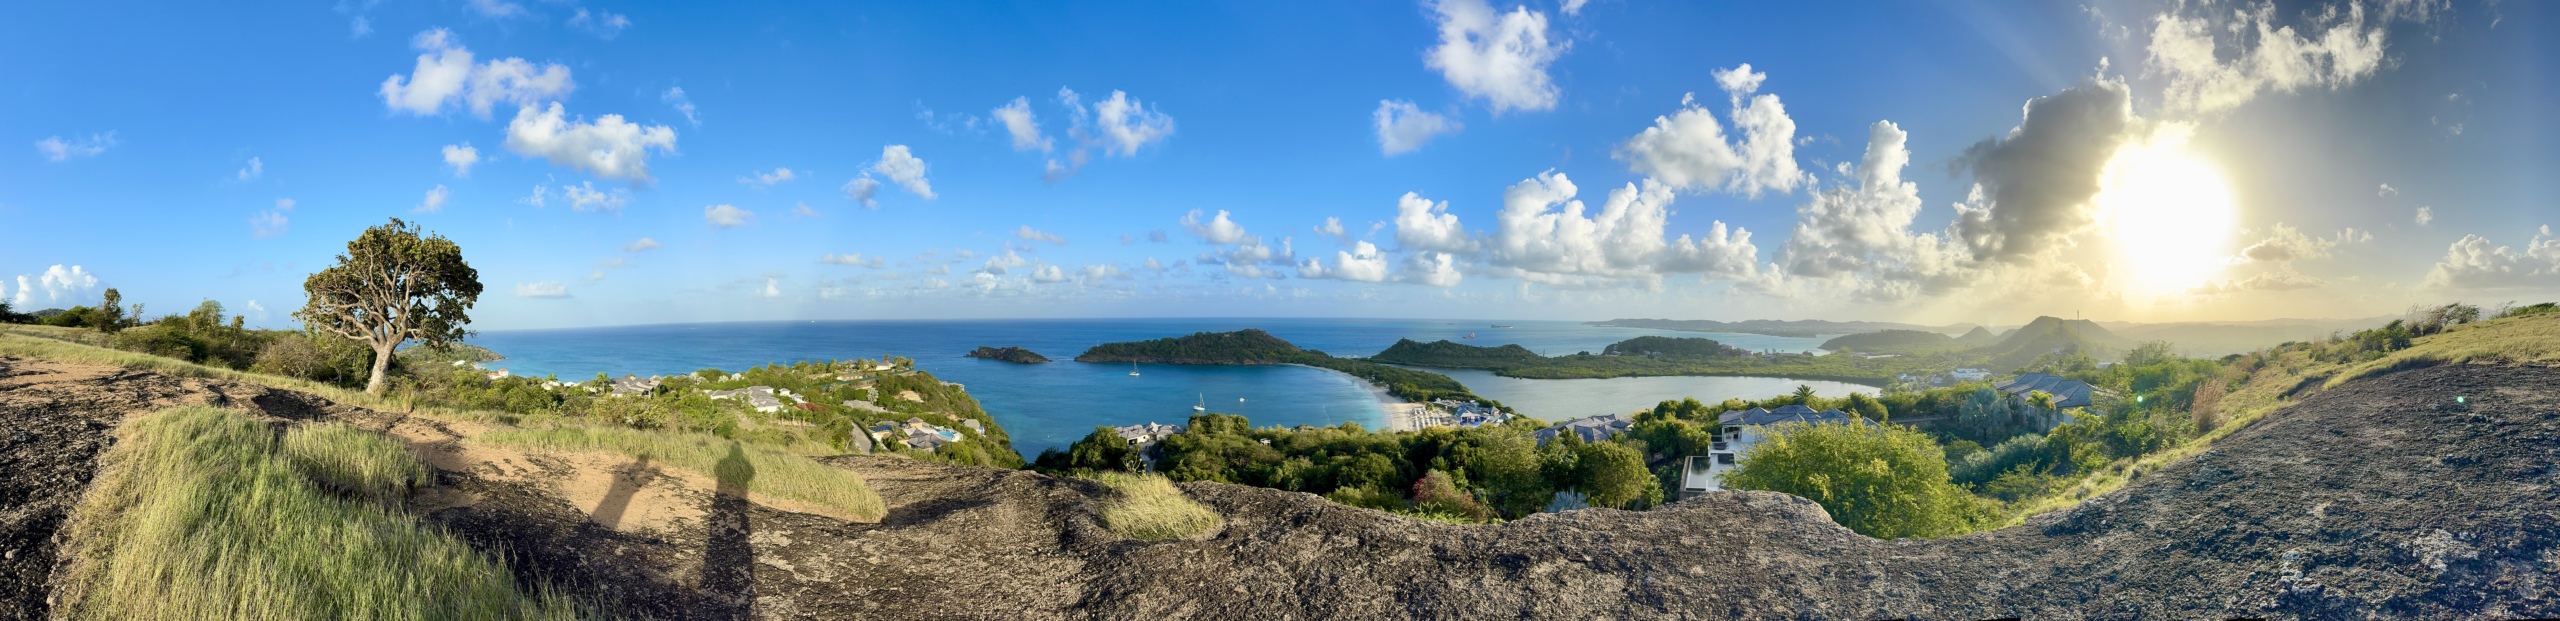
x=1881, y=481
x=317, y=358
x=160, y=340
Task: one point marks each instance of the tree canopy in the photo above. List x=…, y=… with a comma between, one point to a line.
x=392, y=286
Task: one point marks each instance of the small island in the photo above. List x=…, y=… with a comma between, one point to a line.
x=1014, y=355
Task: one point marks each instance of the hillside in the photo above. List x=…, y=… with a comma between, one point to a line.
x=1014, y=355
x=1448, y=354
x=1977, y=337
x=2298, y=519
x=2048, y=335
x=1247, y=346
x=1892, y=341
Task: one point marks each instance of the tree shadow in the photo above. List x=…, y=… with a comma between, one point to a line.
x=728, y=558
x=617, y=499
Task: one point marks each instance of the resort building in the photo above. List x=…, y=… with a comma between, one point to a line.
x=1971, y=375
x=633, y=386
x=761, y=398
x=2067, y=393
x=1736, y=431
x=1592, y=429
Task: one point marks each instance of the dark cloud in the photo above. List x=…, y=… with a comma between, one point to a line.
x=2036, y=181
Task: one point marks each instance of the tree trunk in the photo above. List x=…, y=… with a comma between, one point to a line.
x=381, y=365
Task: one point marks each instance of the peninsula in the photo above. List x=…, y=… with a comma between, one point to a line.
x=1256, y=347
x=1014, y=355
x=1879, y=358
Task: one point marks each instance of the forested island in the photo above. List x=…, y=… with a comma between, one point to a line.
x=1014, y=355
x=1256, y=347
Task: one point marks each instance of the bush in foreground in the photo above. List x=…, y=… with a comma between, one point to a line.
x=1149, y=507
x=198, y=513
x=1882, y=481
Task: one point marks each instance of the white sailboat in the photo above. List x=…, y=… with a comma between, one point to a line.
x=1133, y=369
x=1204, y=404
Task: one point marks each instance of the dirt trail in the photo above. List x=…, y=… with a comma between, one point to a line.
x=2382, y=498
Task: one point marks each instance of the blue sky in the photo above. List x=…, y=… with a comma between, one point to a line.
x=158, y=146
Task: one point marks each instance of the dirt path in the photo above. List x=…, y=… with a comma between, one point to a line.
x=2381, y=498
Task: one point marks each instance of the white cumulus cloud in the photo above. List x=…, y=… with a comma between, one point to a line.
x=2475, y=263
x=1499, y=57
x=2217, y=57
x=863, y=190
x=1022, y=125
x=604, y=25
x=856, y=260
x=726, y=216
x=461, y=157
x=641, y=245
x=905, y=169
x=1689, y=150
x=2426, y=215
x=675, y=97
x=1362, y=263
x=1404, y=127
x=254, y=170
x=609, y=147
x=445, y=73
x=584, y=197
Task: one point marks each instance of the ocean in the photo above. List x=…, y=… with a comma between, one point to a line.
x=1052, y=405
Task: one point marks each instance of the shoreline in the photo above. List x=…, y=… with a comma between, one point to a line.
x=1397, y=414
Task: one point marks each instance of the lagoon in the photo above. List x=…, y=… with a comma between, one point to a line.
x=1052, y=405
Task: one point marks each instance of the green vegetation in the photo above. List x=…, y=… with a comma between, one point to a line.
x=774, y=473
x=1772, y=327
x=1255, y=347
x=1449, y=355
x=394, y=285
x=1014, y=355
x=1149, y=507
x=200, y=513
x=446, y=355
x=1468, y=475
x=1881, y=481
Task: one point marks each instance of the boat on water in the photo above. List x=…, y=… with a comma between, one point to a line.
x=1133, y=369
x=1204, y=404
x=1469, y=335
x=1502, y=326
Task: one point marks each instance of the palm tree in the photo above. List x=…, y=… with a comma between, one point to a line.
x=1804, y=395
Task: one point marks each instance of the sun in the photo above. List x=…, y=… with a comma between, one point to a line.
x=2169, y=213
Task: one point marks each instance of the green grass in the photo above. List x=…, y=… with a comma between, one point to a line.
x=2532, y=338
x=773, y=473
x=1149, y=507
x=355, y=461
x=200, y=513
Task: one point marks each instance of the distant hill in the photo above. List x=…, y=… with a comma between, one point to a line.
x=1444, y=353
x=1980, y=336
x=1238, y=347
x=2053, y=334
x=1665, y=346
x=1771, y=327
x=1892, y=341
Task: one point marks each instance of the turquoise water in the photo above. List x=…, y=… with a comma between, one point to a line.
x=1052, y=405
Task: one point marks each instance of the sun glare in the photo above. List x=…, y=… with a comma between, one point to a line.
x=2169, y=214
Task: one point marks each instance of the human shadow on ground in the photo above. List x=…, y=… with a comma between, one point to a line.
x=728, y=557
x=617, y=499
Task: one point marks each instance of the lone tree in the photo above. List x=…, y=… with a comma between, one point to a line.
x=393, y=286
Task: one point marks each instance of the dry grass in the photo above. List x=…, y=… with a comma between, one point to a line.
x=1149, y=507
x=774, y=473
x=19, y=341
x=2528, y=339
x=200, y=513
x=354, y=461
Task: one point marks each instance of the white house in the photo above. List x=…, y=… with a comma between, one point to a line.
x=1971, y=375
x=1736, y=431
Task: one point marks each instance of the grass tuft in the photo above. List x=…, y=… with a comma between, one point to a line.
x=768, y=472
x=356, y=462
x=1149, y=507
x=200, y=513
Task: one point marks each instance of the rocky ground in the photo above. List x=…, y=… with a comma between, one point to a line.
x=2382, y=498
